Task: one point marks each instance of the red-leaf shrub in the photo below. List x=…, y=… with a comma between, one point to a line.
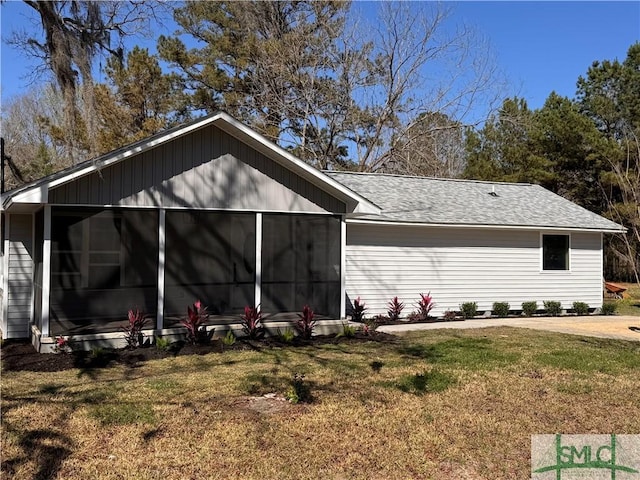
x=425, y=305
x=197, y=316
x=394, y=309
x=252, y=322
x=133, y=330
x=306, y=323
x=357, y=312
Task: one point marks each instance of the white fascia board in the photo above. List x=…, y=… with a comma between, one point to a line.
x=359, y=203
x=39, y=194
x=488, y=226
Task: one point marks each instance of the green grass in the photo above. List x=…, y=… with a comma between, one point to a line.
x=122, y=413
x=425, y=382
x=436, y=404
x=631, y=304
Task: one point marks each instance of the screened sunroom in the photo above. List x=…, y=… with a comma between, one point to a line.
x=209, y=211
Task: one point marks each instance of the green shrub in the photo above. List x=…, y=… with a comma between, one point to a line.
x=287, y=336
x=229, y=339
x=469, y=309
x=348, y=331
x=552, y=307
x=608, y=308
x=299, y=390
x=501, y=309
x=580, y=308
x=163, y=344
x=529, y=308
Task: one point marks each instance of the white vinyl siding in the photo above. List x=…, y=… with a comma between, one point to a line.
x=19, y=295
x=458, y=265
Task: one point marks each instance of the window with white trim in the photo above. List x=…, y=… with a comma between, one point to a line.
x=555, y=252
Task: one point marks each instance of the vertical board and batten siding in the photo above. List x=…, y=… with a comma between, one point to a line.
x=20, y=279
x=460, y=265
x=207, y=168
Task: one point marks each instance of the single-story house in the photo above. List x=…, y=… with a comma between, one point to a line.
x=213, y=211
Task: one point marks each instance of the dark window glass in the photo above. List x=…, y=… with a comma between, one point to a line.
x=301, y=264
x=103, y=263
x=211, y=257
x=555, y=252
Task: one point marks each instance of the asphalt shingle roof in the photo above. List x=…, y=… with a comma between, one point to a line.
x=469, y=202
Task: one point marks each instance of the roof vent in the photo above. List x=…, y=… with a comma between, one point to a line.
x=493, y=191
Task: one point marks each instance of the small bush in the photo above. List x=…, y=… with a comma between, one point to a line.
x=62, y=345
x=425, y=305
x=608, y=308
x=449, y=316
x=133, y=329
x=552, y=308
x=369, y=326
x=229, y=339
x=580, y=308
x=287, y=336
x=379, y=320
x=469, y=309
x=529, y=308
x=348, y=331
x=163, y=344
x=299, y=392
x=394, y=309
x=501, y=309
x=305, y=323
x=357, y=311
x=252, y=322
x=194, y=322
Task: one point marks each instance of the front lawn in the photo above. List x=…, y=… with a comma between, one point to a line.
x=439, y=404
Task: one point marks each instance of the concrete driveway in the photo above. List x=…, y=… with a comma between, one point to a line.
x=619, y=327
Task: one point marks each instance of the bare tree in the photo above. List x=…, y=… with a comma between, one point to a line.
x=28, y=128
x=621, y=187
x=73, y=33
x=416, y=67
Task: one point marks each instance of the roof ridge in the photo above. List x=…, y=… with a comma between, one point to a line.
x=422, y=177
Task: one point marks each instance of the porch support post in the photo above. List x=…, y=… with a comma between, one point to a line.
x=46, y=270
x=5, y=275
x=162, y=222
x=343, y=264
x=258, y=285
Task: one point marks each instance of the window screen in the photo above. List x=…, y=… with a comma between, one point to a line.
x=301, y=264
x=103, y=263
x=210, y=256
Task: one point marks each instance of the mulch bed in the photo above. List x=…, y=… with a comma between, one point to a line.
x=19, y=355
